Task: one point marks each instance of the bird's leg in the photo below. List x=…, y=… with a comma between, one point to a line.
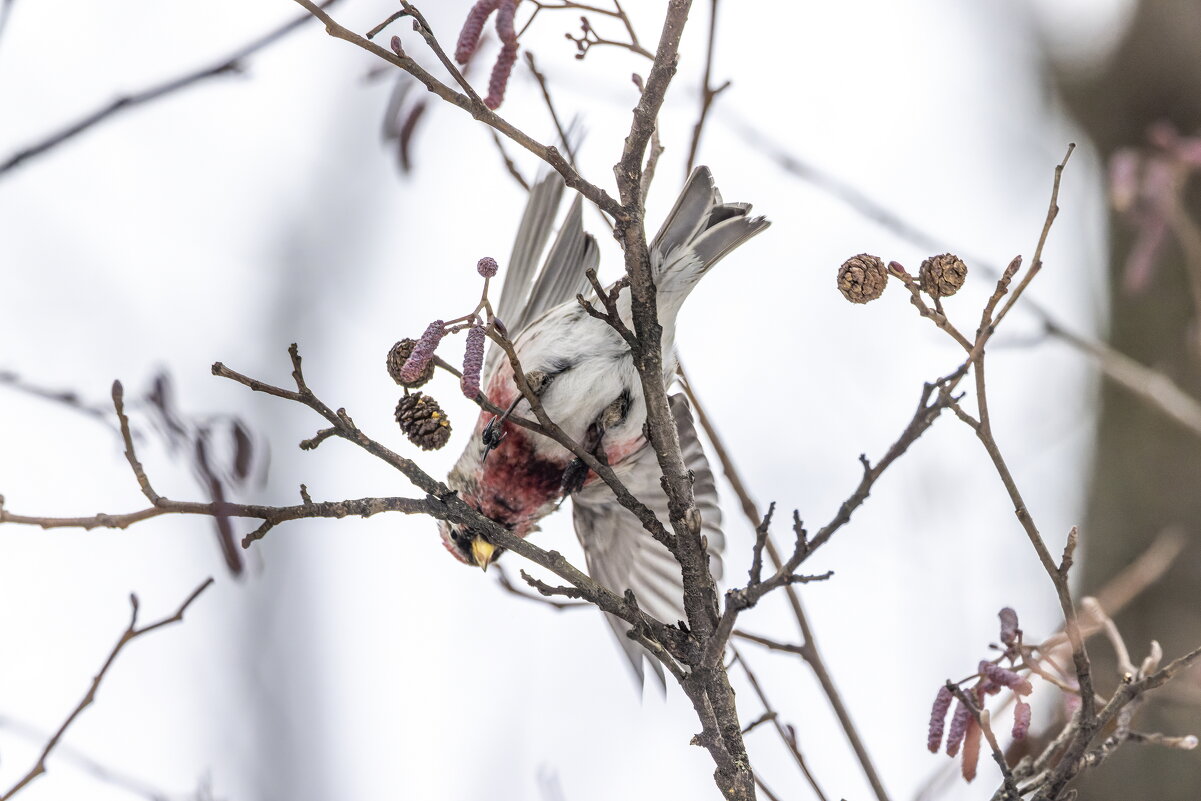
x=494, y=431
x=577, y=471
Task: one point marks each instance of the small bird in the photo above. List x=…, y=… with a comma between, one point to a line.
x=585, y=378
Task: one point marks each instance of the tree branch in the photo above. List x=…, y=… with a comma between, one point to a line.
x=131, y=633
x=226, y=66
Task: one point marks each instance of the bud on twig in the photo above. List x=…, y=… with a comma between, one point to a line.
x=423, y=352
x=862, y=278
x=942, y=276
x=473, y=362
x=397, y=357
x=486, y=267
x=423, y=421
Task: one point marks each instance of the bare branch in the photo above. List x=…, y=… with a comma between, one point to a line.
x=131, y=633
x=229, y=65
x=709, y=92
x=787, y=734
x=550, y=107
x=469, y=102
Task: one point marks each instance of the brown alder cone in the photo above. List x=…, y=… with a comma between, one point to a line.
x=942, y=276
x=423, y=421
x=862, y=278
x=396, y=361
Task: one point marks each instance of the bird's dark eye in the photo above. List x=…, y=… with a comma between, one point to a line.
x=455, y=535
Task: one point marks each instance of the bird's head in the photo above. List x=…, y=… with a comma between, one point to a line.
x=467, y=545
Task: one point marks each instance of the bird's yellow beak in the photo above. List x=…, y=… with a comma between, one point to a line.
x=482, y=551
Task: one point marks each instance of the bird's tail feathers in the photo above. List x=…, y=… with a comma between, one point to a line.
x=698, y=232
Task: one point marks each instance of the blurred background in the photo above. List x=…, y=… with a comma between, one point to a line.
x=264, y=207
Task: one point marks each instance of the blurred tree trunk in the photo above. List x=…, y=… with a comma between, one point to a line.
x=1147, y=470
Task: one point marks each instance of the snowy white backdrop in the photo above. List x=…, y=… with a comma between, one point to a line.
x=252, y=211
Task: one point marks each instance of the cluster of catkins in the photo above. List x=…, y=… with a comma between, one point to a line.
x=411, y=364
x=964, y=732
x=862, y=278
x=469, y=40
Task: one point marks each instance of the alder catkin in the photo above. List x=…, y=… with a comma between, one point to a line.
x=423, y=352
x=938, y=718
x=473, y=362
x=397, y=357
x=473, y=27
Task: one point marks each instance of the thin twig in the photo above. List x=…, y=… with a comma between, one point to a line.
x=508, y=161
x=1157, y=390
x=709, y=93
x=468, y=101
x=812, y=655
x=502, y=578
x=550, y=106
x=131, y=633
x=786, y=736
x=229, y=65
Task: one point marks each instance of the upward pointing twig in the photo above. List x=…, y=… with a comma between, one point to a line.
x=131, y=633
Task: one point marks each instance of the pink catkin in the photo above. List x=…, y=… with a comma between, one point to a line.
x=501, y=71
x=938, y=717
x=971, y=750
x=1021, y=720
x=473, y=27
x=423, y=351
x=1009, y=626
x=958, y=729
x=1005, y=678
x=473, y=362
x=505, y=19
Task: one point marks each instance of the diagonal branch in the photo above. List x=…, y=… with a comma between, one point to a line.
x=131, y=633
x=467, y=102
x=229, y=65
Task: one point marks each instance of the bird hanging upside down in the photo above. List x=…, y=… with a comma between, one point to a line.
x=584, y=375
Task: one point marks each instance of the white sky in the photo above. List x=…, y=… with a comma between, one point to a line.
x=358, y=661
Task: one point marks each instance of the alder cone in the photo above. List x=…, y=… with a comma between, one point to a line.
x=423, y=421
x=397, y=357
x=942, y=276
x=862, y=278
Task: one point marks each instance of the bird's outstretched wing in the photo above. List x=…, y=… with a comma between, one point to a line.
x=622, y=555
x=526, y=294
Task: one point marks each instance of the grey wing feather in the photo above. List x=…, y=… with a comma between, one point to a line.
x=562, y=276
x=524, y=296
x=698, y=197
x=622, y=555
x=532, y=234
x=698, y=232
